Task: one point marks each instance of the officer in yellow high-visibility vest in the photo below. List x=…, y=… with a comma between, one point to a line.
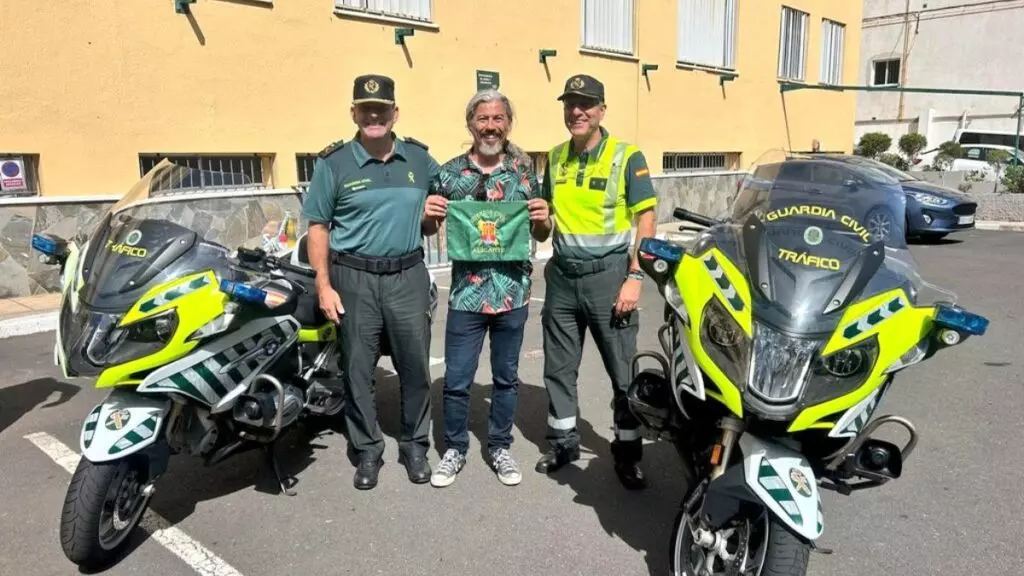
x=598, y=188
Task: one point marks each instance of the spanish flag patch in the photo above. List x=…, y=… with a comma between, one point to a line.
x=642, y=172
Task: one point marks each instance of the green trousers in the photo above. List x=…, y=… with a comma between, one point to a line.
x=580, y=296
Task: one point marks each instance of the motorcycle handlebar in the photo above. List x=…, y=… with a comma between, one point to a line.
x=257, y=257
x=684, y=214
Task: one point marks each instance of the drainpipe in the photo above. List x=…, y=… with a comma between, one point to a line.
x=906, y=54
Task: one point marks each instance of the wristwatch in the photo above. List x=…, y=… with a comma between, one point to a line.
x=635, y=275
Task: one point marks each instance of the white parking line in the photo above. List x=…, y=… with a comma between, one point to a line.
x=197, y=556
x=447, y=288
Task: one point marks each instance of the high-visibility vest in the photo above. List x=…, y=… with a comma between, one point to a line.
x=590, y=213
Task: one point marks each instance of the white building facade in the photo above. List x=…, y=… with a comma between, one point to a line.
x=945, y=44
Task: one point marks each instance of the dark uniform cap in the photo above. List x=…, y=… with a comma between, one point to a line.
x=583, y=85
x=373, y=88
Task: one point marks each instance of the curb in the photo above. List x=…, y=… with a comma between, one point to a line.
x=1000, y=226
x=28, y=324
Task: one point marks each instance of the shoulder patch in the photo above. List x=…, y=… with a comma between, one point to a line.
x=412, y=140
x=331, y=148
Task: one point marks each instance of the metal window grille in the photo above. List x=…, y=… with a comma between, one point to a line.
x=211, y=171
x=409, y=9
x=707, y=33
x=833, y=35
x=698, y=161
x=29, y=177
x=607, y=25
x=793, y=44
x=304, y=164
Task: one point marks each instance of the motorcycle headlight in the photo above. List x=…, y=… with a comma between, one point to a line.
x=121, y=344
x=725, y=342
x=780, y=364
x=841, y=372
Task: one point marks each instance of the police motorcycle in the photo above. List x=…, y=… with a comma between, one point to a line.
x=206, y=351
x=785, y=325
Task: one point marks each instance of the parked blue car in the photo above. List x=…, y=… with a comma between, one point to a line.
x=933, y=211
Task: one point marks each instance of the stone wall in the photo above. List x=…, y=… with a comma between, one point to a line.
x=229, y=221
x=708, y=195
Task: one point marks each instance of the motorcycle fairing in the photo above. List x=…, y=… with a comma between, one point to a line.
x=890, y=317
x=124, y=423
x=785, y=483
x=217, y=372
x=70, y=284
x=898, y=326
x=196, y=300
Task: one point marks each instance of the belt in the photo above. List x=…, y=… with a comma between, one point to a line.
x=378, y=264
x=576, y=267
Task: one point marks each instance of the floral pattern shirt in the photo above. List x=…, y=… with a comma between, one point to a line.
x=488, y=287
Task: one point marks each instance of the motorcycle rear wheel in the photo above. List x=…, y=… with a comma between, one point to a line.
x=762, y=545
x=104, y=503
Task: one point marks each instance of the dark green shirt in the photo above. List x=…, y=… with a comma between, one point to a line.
x=374, y=208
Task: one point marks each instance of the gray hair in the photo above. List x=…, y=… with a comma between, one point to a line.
x=492, y=95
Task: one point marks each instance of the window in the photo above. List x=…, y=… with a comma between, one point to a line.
x=214, y=171
x=677, y=162
x=707, y=33
x=408, y=9
x=887, y=72
x=304, y=164
x=793, y=44
x=607, y=25
x=833, y=35
x=19, y=174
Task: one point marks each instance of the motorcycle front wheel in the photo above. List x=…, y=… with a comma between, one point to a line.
x=105, y=502
x=755, y=546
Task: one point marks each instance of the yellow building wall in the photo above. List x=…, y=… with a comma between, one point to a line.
x=92, y=85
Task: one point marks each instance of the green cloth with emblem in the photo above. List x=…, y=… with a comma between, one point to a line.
x=481, y=231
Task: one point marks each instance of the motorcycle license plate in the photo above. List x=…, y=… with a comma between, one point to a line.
x=967, y=219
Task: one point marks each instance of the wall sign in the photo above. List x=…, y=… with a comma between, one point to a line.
x=486, y=80
x=12, y=174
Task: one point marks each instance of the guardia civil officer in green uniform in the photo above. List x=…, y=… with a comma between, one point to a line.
x=365, y=207
x=599, y=189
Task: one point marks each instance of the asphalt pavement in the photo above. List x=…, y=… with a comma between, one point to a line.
x=955, y=510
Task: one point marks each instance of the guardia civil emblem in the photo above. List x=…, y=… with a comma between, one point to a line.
x=800, y=482
x=371, y=86
x=577, y=83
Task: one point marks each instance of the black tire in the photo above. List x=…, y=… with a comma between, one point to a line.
x=94, y=490
x=785, y=555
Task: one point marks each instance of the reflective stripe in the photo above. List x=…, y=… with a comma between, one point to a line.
x=627, y=435
x=562, y=423
x=611, y=195
x=592, y=240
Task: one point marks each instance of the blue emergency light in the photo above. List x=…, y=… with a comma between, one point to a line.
x=956, y=318
x=244, y=292
x=661, y=249
x=45, y=244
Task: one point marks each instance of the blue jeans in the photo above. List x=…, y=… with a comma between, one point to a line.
x=464, y=338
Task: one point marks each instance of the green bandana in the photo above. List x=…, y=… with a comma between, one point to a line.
x=488, y=231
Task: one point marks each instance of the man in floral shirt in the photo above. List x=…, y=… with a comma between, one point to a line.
x=486, y=297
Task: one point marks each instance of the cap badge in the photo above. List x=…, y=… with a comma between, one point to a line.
x=576, y=83
x=371, y=86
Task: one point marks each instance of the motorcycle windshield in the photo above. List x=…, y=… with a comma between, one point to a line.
x=815, y=235
x=175, y=221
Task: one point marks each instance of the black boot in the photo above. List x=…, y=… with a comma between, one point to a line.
x=556, y=458
x=416, y=466
x=366, y=473
x=627, y=457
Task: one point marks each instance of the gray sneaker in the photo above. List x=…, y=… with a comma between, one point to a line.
x=449, y=467
x=505, y=466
